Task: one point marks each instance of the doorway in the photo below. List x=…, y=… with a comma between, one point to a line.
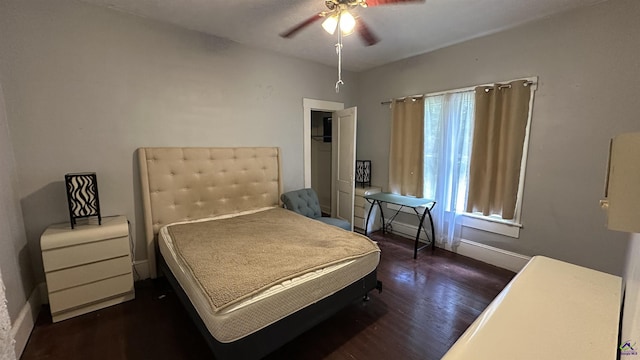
x=343, y=143
x=321, y=158
x=310, y=105
x=317, y=107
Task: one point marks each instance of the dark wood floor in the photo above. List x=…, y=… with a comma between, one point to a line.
x=425, y=306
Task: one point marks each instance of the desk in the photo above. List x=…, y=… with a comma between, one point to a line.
x=404, y=201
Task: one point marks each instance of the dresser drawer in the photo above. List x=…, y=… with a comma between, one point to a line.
x=358, y=222
x=359, y=201
x=84, y=274
x=88, y=293
x=60, y=258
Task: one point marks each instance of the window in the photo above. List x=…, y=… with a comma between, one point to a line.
x=448, y=139
x=448, y=126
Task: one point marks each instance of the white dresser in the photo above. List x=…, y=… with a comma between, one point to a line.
x=551, y=310
x=361, y=209
x=87, y=268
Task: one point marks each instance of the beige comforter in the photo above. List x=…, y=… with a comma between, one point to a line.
x=237, y=257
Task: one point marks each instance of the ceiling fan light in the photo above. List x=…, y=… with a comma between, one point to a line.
x=347, y=22
x=329, y=24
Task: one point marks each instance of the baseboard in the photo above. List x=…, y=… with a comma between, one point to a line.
x=492, y=255
x=409, y=231
x=488, y=254
x=22, y=327
x=141, y=270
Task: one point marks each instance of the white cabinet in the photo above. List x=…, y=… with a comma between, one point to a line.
x=361, y=209
x=549, y=304
x=87, y=268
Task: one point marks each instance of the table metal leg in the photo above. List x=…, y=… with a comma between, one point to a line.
x=426, y=212
x=366, y=224
x=415, y=246
x=433, y=232
x=384, y=226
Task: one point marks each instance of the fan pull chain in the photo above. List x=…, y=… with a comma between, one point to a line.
x=339, y=52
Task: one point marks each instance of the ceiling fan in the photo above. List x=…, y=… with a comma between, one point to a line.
x=338, y=15
x=338, y=11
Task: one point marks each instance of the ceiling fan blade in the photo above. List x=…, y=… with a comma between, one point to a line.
x=390, y=2
x=367, y=36
x=294, y=30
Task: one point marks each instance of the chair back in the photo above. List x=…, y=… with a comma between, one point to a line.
x=303, y=201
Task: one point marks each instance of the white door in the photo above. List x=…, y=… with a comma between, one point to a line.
x=343, y=151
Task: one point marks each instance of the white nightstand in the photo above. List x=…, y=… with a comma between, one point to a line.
x=361, y=209
x=87, y=268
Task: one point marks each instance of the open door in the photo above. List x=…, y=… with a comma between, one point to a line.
x=343, y=151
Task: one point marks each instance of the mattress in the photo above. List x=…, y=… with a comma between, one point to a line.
x=268, y=305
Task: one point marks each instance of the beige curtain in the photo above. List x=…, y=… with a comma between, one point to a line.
x=407, y=147
x=501, y=114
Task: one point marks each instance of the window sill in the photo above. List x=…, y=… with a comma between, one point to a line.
x=494, y=225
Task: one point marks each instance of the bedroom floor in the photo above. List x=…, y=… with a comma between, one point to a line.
x=426, y=304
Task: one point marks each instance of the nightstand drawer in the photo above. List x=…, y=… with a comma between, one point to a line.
x=358, y=222
x=84, y=274
x=85, y=294
x=60, y=258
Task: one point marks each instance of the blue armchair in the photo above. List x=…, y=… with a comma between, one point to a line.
x=305, y=202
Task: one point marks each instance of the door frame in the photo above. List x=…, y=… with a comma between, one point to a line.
x=309, y=105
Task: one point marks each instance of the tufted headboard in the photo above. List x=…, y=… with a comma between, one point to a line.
x=192, y=183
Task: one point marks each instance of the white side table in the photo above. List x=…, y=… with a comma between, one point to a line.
x=87, y=268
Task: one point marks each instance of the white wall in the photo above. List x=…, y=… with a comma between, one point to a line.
x=15, y=260
x=588, y=67
x=15, y=257
x=86, y=86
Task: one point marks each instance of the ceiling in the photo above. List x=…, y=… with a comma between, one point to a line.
x=404, y=30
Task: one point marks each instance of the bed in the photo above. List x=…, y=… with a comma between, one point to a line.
x=252, y=275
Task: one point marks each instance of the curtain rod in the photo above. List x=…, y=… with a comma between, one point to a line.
x=529, y=81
